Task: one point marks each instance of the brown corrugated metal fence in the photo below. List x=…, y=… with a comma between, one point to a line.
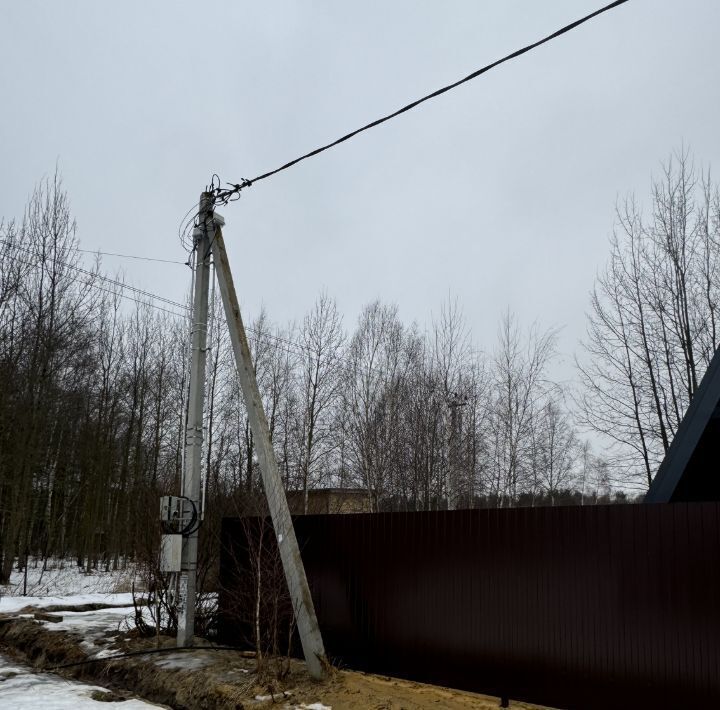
x=576, y=607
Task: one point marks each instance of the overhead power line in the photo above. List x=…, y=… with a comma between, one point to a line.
x=147, y=298
x=119, y=293
x=121, y=284
x=97, y=276
x=132, y=256
x=223, y=196
x=124, y=295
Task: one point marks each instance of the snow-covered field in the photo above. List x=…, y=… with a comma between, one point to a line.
x=68, y=584
x=63, y=577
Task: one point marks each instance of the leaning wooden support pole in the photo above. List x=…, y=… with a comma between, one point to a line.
x=307, y=623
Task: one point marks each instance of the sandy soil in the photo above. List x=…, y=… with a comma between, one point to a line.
x=357, y=690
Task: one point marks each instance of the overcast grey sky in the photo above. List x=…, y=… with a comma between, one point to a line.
x=501, y=192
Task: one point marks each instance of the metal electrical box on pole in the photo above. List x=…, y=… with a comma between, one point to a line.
x=171, y=552
x=194, y=428
x=302, y=602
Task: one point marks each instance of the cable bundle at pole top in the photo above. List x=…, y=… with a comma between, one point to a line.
x=223, y=196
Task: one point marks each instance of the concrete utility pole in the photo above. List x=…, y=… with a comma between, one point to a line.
x=302, y=602
x=194, y=427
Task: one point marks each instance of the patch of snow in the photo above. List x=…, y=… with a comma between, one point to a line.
x=312, y=706
x=97, y=628
x=9, y=604
x=94, y=626
x=103, y=653
x=182, y=660
x=277, y=697
x=22, y=689
x=101, y=619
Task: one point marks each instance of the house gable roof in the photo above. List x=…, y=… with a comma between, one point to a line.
x=690, y=470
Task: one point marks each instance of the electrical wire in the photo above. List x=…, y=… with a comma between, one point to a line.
x=185, y=223
x=132, y=256
x=168, y=526
x=233, y=193
x=107, y=279
x=135, y=300
x=119, y=294
x=285, y=345
x=134, y=289
x=289, y=347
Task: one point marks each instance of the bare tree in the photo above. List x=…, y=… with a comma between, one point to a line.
x=373, y=381
x=556, y=448
x=321, y=339
x=520, y=389
x=652, y=327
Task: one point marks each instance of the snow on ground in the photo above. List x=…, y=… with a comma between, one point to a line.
x=20, y=686
x=97, y=629
x=63, y=577
x=21, y=689
x=9, y=604
x=64, y=583
x=97, y=626
x=183, y=661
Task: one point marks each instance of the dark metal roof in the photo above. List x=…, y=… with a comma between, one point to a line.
x=690, y=470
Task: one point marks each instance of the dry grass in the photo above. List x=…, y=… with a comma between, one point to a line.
x=37, y=645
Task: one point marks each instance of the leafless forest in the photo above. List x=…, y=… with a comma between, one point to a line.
x=93, y=380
